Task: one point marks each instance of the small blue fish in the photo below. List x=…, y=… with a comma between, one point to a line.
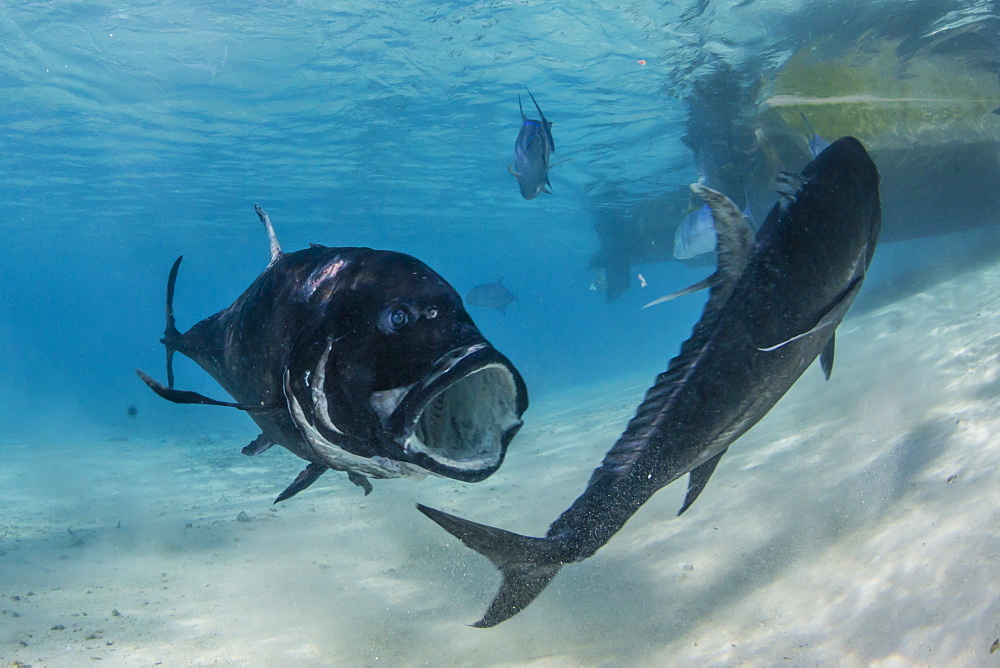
x=532, y=149
x=696, y=234
x=816, y=143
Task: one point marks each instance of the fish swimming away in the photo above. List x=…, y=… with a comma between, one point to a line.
x=491, y=295
x=532, y=150
x=775, y=302
x=356, y=360
x=696, y=234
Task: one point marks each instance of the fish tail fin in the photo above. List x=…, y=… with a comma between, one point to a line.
x=527, y=564
x=171, y=337
x=519, y=106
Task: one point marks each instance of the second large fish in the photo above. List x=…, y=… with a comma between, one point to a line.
x=774, y=305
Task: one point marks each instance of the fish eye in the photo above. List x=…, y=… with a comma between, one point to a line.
x=431, y=313
x=395, y=318
x=399, y=318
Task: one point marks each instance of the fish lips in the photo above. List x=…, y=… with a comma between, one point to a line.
x=458, y=421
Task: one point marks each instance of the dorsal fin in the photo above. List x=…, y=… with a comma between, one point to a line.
x=540, y=114
x=735, y=241
x=271, y=236
x=546, y=124
x=735, y=244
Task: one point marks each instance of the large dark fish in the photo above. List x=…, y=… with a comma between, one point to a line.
x=532, y=151
x=491, y=295
x=356, y=360
x=774, y=305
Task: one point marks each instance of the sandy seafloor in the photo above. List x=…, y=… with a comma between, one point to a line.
x=857, y=524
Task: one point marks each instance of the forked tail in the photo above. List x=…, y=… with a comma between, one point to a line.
x=527, y=564
x=173, y=340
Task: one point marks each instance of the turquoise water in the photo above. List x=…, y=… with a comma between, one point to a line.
x=134, y=132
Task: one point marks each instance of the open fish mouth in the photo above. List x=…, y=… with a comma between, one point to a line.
x=459, y=420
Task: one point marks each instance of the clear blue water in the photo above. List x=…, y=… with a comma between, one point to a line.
x=134, y=132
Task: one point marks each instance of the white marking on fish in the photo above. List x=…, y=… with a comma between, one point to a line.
x=321, y=275
x=321, y=408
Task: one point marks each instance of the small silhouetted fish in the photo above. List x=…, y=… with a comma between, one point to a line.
x=491, y=295
x=532, y=150
x=132, y=410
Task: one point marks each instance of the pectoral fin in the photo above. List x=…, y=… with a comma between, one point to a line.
x=691, y=289
x=831, y=318
x=186, y=397
x=698, y=479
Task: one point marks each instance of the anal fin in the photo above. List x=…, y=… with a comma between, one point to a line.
x=308, y=476
x=698, y=479
x=257, y=445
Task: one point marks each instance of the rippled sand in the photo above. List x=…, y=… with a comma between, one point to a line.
x=858, y=523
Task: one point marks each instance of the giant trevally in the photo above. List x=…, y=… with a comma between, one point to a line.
x=356, y=360
x=491, y=295
x=775, y=302
x=532, y=150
